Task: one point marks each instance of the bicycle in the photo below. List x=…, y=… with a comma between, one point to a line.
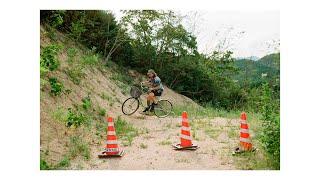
x=162, y=109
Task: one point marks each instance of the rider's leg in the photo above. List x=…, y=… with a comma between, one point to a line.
x=150, y=100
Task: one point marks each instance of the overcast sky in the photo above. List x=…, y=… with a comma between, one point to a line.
x=248, y=33
x=259, y=30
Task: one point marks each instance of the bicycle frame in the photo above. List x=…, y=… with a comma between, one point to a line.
x=142, y=104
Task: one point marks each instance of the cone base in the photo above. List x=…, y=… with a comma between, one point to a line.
x=179, y=147
x=103, y=154
x=238, y=150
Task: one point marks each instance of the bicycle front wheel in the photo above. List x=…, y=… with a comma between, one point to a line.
x=163, y=108
x=130, y=106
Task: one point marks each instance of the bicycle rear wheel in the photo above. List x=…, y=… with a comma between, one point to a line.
x=130, y=106
x=163, y=108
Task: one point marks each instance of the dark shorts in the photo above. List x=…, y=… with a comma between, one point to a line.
x=157, y=92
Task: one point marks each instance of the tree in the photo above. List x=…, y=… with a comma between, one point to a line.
x=157, y=36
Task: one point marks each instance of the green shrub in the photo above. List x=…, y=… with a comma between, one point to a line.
x=77, y=28
x=76, y=74
x=48, y=58
x=56, y=87
x=75, y=118
x=43, y=71
x=57, y=18
x=102, y=112
x=86, y=103
x=44, y=165
x=65, y=162
x=91, y=59
x=71, y=52
x=270, y=135
x=68, y=91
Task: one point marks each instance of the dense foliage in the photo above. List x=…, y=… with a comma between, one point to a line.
x=270, y=135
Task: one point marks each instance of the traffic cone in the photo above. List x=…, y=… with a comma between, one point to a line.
x=112, y=148
x=185, y=137
x=245, y=141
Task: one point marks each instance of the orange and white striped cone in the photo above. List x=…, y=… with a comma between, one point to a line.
x=245, y=141
x=112, y=148
x=185, y=137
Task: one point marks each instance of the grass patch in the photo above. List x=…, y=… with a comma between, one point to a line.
x=71, y=52
x=198, y=124
x=141, y=117
x=79, y=147
x=195, y=135
x=122, y=80
x=59, y=114
x=86, y=103
x=44, y=165
x=144, y=131
x=182, y=160
x=101, y=111
x=101, y=128
x=165, y=142
x=125, y=131
x=209, y=128
x=258, y=160
x=63, y=163
x=233, y=133
x=204, y=112
x=168, y=126
x=109, y=99
x=105, y=96
x=143, y=146
x=75, y=74
x=43, y=83
x=90, y=59
x=212, y=132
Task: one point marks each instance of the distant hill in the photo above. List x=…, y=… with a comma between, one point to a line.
x=271, y=60
x=254, y=73
x=253, y=58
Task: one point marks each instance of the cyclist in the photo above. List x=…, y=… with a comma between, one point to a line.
x=155, y=89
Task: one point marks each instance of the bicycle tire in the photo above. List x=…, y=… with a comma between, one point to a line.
x=168, y=110
x=134, y=109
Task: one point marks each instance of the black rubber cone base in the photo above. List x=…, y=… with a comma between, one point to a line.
x=179, y=147
x=104, y=154
x=238, y=150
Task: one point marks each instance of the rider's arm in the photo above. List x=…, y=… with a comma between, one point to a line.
x=147, y=83
x=155, y=87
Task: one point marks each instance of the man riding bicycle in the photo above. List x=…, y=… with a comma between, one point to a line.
x=155, y=89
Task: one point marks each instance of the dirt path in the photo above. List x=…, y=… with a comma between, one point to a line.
x=153, y=150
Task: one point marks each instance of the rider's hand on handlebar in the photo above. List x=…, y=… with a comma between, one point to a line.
x=149, y=90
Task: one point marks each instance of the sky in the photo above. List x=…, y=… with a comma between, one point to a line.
x=254, y=33
x=250, y=33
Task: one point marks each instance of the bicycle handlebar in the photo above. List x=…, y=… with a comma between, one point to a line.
x=143, y=87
